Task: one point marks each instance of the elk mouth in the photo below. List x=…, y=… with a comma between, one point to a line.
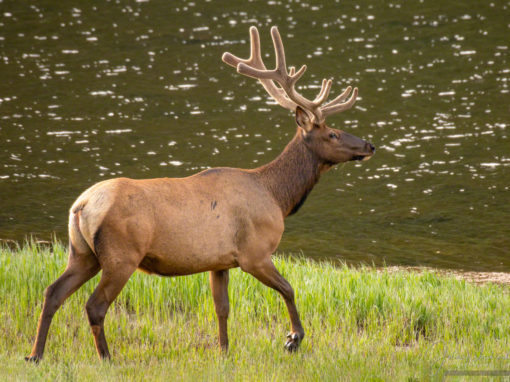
x=359, y=157
x=370, y=148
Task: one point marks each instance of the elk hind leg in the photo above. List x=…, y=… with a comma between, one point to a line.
x=80, y=268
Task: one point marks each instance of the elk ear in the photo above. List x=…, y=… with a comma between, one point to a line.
x=303, y=120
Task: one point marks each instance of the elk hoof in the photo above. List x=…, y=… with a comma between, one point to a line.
x=293, y=341
x=33, y=358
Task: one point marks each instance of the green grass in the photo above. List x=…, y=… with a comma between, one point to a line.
x=360, y=324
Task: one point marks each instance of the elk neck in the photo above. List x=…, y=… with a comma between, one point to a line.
x=292, y=175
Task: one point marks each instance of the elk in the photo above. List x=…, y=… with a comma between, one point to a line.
x=218, y=219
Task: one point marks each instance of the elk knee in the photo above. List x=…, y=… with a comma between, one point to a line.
x=222, y=310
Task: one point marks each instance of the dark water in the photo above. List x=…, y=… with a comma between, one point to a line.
x=94, y=90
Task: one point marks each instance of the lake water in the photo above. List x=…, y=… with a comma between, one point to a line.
x=95, y=90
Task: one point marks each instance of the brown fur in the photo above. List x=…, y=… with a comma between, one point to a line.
x=212, y=221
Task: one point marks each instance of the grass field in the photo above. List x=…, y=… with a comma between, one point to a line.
x=361, y=324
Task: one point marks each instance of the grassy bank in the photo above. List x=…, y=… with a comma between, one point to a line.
x=360, y=324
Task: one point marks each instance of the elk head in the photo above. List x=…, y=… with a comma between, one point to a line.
x=331, y=145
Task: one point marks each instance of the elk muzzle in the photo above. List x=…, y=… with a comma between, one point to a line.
x=360, y=149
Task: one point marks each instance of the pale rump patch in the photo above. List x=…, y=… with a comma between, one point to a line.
x=75, y=236
x=88, y=212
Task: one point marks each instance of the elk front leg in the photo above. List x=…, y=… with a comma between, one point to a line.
x=266, y=272
x=219, y=287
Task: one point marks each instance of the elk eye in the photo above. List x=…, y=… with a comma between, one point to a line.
x=333, y=136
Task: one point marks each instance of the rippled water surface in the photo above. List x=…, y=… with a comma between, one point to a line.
x=94, y=90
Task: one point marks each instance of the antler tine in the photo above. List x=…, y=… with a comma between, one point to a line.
x=255, y=56
x=250, y=71
x=296, y=76
x=323, y=86
x=279, y=52
x=341, y=98
x=324, y=93
x=334, y=106
x=281, y=68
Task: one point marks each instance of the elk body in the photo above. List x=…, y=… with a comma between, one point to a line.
x=213, y=221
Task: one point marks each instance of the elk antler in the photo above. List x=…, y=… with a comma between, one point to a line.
x=286, y=94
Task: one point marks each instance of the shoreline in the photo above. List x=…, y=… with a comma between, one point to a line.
x=476, y=277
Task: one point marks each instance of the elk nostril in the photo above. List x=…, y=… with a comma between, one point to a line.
x=371, y=146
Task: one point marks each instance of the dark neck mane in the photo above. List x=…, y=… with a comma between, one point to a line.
x=292, y=175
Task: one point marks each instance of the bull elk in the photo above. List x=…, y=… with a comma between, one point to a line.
x=218, y=219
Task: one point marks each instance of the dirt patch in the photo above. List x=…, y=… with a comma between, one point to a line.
x=502, y=278
x=482, y=277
